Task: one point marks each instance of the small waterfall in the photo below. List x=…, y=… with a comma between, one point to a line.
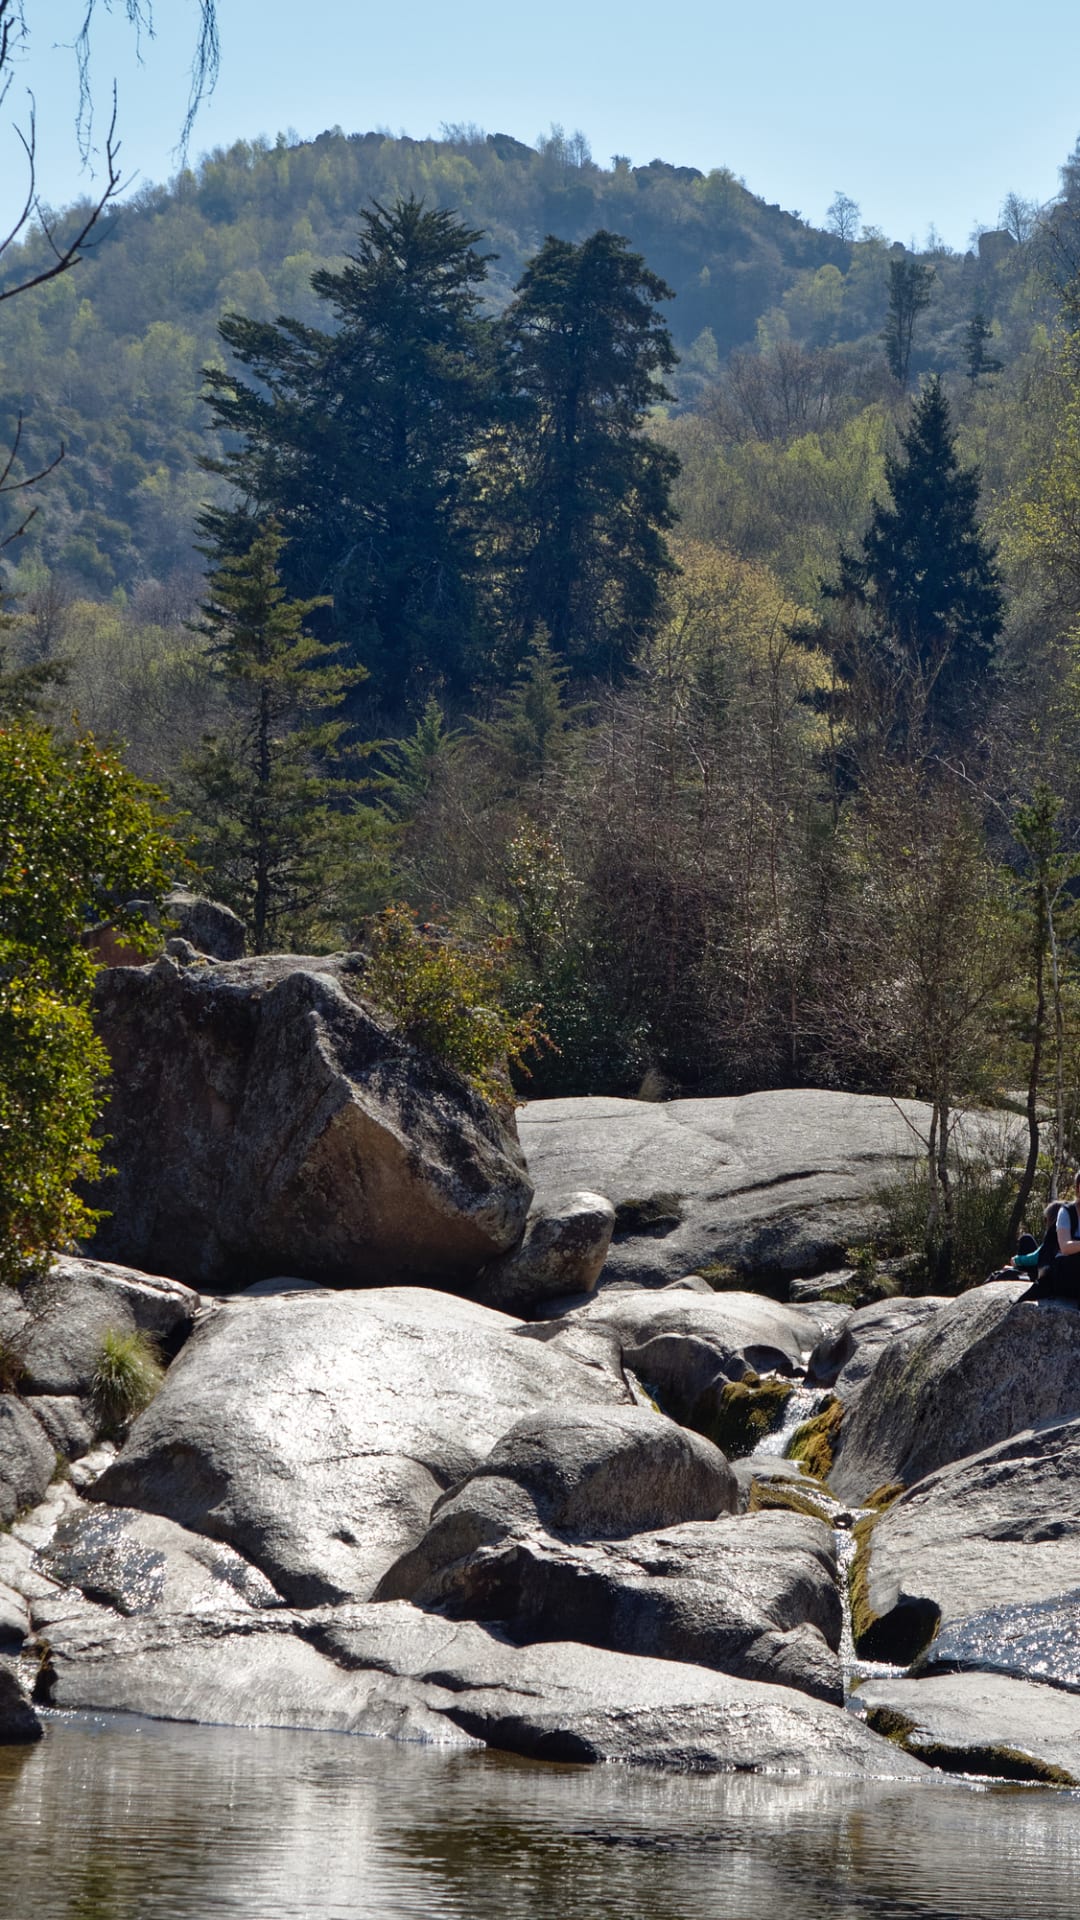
x=802, y=1406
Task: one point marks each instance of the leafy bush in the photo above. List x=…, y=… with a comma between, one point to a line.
x=79, y=837
x=127, y=1375
x=448, y=1000
x=985, y=1175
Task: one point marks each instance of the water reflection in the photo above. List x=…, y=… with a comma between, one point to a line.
x=120, y=1819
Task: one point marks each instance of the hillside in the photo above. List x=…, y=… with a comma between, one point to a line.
x=107, y=361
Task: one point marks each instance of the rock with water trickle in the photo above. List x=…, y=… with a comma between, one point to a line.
x=562, y=1251
x=394, y=1671
x=778, y=1182
x=314, y=1432
x=687, y=1347
x=972, y=1374
x=978, y=1723
x=262, y=1120
x=973, y=1542
x=140, y=1563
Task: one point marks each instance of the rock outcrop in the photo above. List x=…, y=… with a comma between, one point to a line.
x=562, y=1252
x=977, y=1371
x=210, y=927
x=313, y=1432
x=767, y=1183
x=978, y=1723
x=263, y=1121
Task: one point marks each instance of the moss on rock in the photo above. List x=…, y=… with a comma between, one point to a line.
x=813, y=1443
x=746, y=1411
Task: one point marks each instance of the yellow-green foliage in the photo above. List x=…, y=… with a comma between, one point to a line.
x=766, y=1495
x=77, y=835
x=127, y=1375
x=814, y=1441
x=748, y=1410
x=883, y=1497
x=447, y=999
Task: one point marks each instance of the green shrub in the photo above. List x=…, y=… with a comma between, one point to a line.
x=447, y=999
x=127, y=1375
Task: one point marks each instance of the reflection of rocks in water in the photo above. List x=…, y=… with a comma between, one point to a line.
x=311, y=1826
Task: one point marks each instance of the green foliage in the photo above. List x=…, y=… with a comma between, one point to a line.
x=79, y=838
x=127, y=1375
x=277, y=828
x=910, y=287
x=447, y=999
x=985, y=1175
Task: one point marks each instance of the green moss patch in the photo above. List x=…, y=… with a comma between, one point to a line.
x=746, y=1411
x=993, y=1763
x=656, y=1213
x=813, y=1443
x=766, y=1495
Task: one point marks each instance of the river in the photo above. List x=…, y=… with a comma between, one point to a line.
x=114, y=1818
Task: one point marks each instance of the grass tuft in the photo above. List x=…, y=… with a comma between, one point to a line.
x=127, y=1375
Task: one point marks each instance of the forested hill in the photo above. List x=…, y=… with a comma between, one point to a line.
x=108, y=361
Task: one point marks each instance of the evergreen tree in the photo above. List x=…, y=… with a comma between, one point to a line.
x=910, y=285
x=275, y=826
x=359, y=442
x=979, y=331
x=588, y=497
x=917, y=612
x=529, y=732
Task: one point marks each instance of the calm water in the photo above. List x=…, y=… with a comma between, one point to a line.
x=122, y=1819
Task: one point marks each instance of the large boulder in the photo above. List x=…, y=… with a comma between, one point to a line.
x=211, y=927
x=141, y=1563
x=262, y=1121
x=774, y=1183
x=975, y=1372
x=394, y=1671
x=314, y=1431
x=27, y=1459
x=999, y=1530
x=562, y=1252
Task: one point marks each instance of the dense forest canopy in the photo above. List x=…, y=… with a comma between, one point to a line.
x=674, y=603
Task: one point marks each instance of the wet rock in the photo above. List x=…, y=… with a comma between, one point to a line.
x=1037, y=1641
x=998, y=1530
x=394, y=1671
x=210, y=927
x=140, y=1563
x=773, y=1183
x=313, y=1432
x=27, y=1459
x=263, y=1120
x=72, y=1307
x=562, y=1252
x=18, y=1721
x=978, y=1370
x=980, y=1724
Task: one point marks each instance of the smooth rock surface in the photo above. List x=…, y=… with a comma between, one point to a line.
x=1037, y=1641
x=846, y=1355
x=770, y=1183
x=999, y=1529
x=313, y=1432
x=394, y=1671
x=983, y=1724
x=263, y=1121
x=141, y=1563
x=27, y=1459
x=977, y=1371
x=562, y=1251
x=755, y=1596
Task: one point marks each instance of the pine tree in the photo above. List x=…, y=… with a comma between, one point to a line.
x=360, y=441
x=910, y=284
x=979, y=331
x=915, y=618
x=587, y=497
x=276, y=825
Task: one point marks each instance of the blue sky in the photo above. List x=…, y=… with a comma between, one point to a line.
x=925, y=114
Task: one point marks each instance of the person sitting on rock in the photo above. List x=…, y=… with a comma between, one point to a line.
x=1063, y=1280
x=1037, y=1256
